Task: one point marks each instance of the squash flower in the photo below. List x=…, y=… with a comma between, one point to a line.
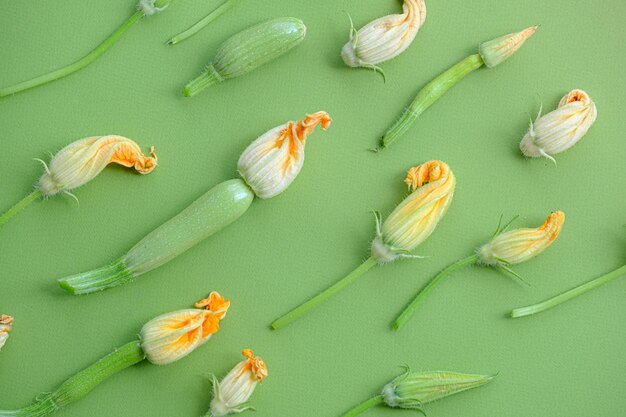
x=232, y=394
x=384, y=38
x=163, y=340
x=431, y=186
x=5, y=327
x=560, y=129
x=505, y=248
x=80, y=162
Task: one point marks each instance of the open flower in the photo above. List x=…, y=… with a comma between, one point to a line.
x=232, y=394
x=173, y=336
x=415, y=218
x=519, y=245
x=498, y=50
x=5, y=327
x=562, y=128
x=80, y=161
x=384, y=38
x=271, y=163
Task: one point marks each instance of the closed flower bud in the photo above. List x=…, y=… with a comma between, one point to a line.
x=5, y=327
x=415, y=218
x=79, y=162
x=271, y=163
x=232, y=394
x=173, y=336
x=413, y=389
x=519, y=245
x=384, y=38
x=497, y=50
x=562, y=128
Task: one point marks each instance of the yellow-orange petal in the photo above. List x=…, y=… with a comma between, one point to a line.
x=519, y=245
x=215, y=307
x=255, y=365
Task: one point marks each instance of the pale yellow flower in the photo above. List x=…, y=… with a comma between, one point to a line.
x=80, y=161
x=384, y=38
x=5, y=327
x=497, y=50
x=562, y=128
x=271, y=163
x=520, y=245
x=415, y=218
x=231, y=395
x=173, y=336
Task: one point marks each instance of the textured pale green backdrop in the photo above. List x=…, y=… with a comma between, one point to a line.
x=567, y=362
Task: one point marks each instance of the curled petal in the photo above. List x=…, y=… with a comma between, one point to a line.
x=432, y=187
x=386, y=37
x=173, y=336
x=562, y=128
x=255, y=365
x=79, y=162
x=5, y=327
x=519, y=245
x=271, y=163
x=497, y=50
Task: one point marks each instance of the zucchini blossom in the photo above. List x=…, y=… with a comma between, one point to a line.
x=5, y=327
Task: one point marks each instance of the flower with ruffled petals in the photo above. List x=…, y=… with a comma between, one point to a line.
x=271, y=163
x=80, y=161
x=497, y=50
x=173, y=336
x=415, y=218
x=519, y=245
x=232, y=394
x=562, y=128
x=5, y=327
x=384, y=38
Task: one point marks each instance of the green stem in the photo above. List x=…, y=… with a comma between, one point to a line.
x=568, y=295
x=410, y=309
x=97, y=279
x=323, y=296
x=428, y=95
x=82, y=383
x=19, y=206
x=81, y=63
x=201, y=24
x=204, y=80
x=364, y=406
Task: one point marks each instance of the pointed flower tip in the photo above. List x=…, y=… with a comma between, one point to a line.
x=273, y=161
x=498, y=50
x=81, y=161
x=519, y=245
x=172, y=336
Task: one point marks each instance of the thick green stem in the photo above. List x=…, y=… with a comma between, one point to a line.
x=428, y=95
x=19, y=206
x=566, y=296
x=81, y=63
x=97, y=279
x=201, y=24
x=364, y=406
x=204, y=80
x=82, y=383
x=323, y=296
x=410, y=309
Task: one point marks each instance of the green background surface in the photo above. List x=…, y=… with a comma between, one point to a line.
x=566, y=362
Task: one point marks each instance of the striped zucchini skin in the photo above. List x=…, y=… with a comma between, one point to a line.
x=257, y=45
x=214, y=210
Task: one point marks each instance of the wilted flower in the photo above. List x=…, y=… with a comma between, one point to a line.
x=562, y=128
x=271, y=163
x=80, y=161
x=173, y=336
x=519, y=245
x=150, y=7
x=415, y=218
x=5, y=327
x=232, y=394
x=497, y=50
x=384, y=38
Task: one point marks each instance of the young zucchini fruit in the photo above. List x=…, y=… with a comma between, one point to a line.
x=267, y=166
x=248, y=50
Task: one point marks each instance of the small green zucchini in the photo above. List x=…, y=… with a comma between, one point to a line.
x=248, y=50
x=214, y=210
